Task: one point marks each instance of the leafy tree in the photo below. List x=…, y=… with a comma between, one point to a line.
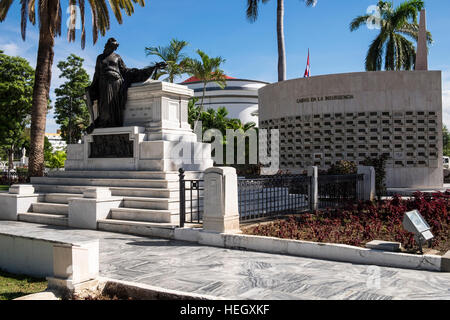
x=252, y=15
x=446, y=141
x=342, y=167
x=173, y=56
x=56, y=160
x=50, y=20
x=396, y=23
x=218, y=119
x=70, y=107
x=48, y=148
x=16, y=91
x=206, y=70
x=379, y=164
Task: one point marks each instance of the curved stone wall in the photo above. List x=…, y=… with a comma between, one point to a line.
x=357, y=115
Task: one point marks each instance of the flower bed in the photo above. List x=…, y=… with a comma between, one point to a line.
x=357, y=224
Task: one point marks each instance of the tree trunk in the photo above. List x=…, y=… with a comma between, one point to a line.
x=41, y=91
x=10, y=160
x=201, y=105
x=281, y=46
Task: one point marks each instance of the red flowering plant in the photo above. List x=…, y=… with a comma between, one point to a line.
x=359, y=223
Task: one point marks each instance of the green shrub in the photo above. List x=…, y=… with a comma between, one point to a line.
x=342, y=167
x=379, y=165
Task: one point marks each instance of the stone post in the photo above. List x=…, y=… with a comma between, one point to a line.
x=221, y=213
x=314, y=189
x=74, y=265
x=367, y=189
x=95, y=205
x=18, y=200
x=422, y=48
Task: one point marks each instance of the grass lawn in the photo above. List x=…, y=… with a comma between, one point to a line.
x=13, y=286
x=4, y=188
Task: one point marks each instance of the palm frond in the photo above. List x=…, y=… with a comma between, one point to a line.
x=359, y=21
x=94, y=21
x=407, y=10
x=253, y=9
x=409, y=50
x=4, y=8
x=32, y=11
x=115, y=7
x=72, y=21
x=374, y=58
x=389, y=60
x=57, y=30
x=23, y=17
x=310, y=3
x=410, y=30
x=83, y=29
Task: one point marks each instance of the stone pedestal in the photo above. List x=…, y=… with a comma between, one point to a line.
x=367, y=189
x=221, y=213
x=74, y=264
x=156, y=135
x=313, y=192
x=94, y=206
x=18, y=200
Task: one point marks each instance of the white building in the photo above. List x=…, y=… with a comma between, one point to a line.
x=240, y=97
x=58, y=144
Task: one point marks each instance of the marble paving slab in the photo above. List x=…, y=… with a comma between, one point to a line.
x=237, y=274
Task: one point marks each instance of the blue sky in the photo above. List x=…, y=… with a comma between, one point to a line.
x=221, y=28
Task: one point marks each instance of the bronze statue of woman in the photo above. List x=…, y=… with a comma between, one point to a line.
x=110, y=86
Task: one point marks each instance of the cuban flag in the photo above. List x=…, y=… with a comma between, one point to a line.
x=308, y=68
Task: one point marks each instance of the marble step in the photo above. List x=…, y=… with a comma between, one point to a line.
x=50, y=208
x=151, y=203
x=139, y=183
x=157, y=203
x=43, y=218
x=61, y=197
x=116, y=191
x=144, y=215
x=149, y=229
x=170, y=175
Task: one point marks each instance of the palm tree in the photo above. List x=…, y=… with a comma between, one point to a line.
x=49, y=14
x=252, y=15
x=206, y=70
x=171, y=55
x=396, y=23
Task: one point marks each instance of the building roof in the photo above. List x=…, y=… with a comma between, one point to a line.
x=194, y=79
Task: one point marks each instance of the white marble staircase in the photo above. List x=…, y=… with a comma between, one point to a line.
x=149, y=199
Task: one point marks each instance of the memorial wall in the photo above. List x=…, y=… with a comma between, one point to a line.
x=352, y=116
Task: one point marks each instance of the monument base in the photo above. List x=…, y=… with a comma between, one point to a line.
x=141, y=153
x=138, y=164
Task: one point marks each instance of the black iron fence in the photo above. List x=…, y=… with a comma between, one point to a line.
x=13, y=177
x=270, y=196
x=336, y=190
x=273, y=196
x=191, y=200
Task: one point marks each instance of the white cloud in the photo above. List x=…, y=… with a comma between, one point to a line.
x=11, y=49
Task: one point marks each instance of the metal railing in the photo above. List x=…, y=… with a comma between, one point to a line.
x=10, y=178
x=191, y=200
x=273, y=196
x=337, y=190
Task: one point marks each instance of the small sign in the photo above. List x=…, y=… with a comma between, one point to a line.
x=419, y=222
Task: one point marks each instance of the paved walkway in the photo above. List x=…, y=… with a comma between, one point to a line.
x=236, y=274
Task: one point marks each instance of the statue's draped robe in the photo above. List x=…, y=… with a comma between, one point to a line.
x=110, y=86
